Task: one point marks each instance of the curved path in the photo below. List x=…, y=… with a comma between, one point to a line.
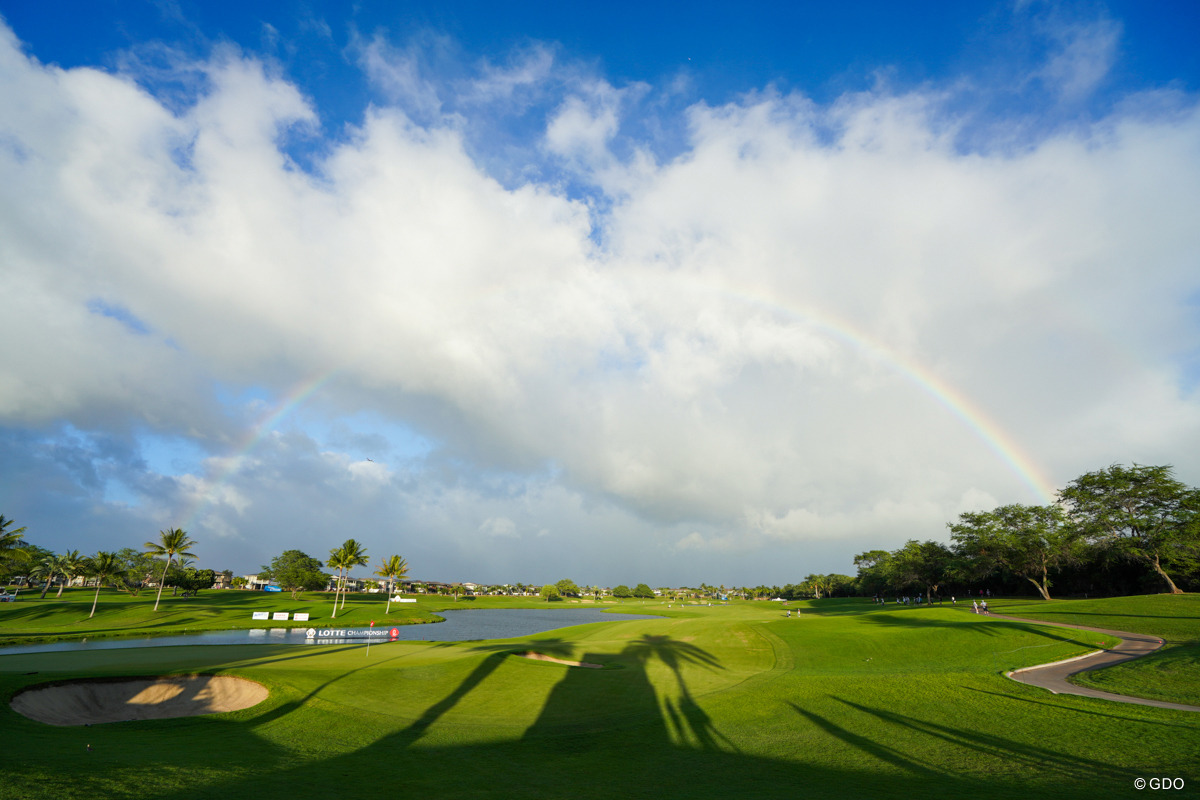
x=1053, y=676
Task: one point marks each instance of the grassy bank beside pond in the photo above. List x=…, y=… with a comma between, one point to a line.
x=31, y=619
x=843, y=700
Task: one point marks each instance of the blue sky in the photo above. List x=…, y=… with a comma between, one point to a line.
x=721, y=293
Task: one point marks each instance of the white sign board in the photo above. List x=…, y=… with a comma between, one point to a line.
x=403, y=600
x=280, y=615
x=262, y=615
x=300, y=616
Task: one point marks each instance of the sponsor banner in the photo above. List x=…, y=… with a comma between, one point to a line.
x=341, y=634
x=300, y=616
x=262, y=615
x=280, y=615
x=403, y=600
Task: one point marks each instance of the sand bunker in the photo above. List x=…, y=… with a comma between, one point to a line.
x=121, y=700
x=541, y=657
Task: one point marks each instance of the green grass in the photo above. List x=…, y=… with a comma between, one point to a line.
x=1171, y=674
x=843, y=700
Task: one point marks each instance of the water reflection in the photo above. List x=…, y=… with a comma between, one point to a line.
x=460, y=626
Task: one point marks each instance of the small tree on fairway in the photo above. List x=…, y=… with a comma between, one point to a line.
x=171, y=543
x=550, y=592
x=105, y=568
x=296, y=572
x=642, y=590
x=621, y=590
x=1140, y=511
x=567, y=588
x=393, y=568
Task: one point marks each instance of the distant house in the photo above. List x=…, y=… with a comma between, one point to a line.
x=255, y=583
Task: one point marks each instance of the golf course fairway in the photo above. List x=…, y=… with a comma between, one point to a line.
x=842, y=699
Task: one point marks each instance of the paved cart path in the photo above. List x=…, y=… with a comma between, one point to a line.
x=1053, y=676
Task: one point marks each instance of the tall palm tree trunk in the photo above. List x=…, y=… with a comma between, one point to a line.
x=337, y=587
x=95, y=600
x=161, y=583
x=46, y=588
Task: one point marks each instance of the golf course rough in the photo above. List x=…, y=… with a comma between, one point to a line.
x=842, y=700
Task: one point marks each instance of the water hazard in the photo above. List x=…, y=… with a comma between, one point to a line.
x=460, y=626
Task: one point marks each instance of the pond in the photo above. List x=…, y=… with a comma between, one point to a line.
x=460, y=626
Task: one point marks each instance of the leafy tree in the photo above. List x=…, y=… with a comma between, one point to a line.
x=874, y=568
x=642, y=590
x=836, y=583
x=1140, y=511
x=550, y=592
x=567, y=588
x=192, y=580
x=622, y=591
x=922, y=564
x=105, y=568
x=238, y=582
x=393, y=568
x=296, y=572
x=140, y=568
x=1028, y=540
x=172, y=542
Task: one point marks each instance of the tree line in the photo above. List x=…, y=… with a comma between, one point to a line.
x=1112, y=531
x=127, y=569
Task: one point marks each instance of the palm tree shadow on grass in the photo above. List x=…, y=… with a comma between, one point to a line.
x=1066, y=705
x=649, y=745
x=1069, y=767
x=993, y=627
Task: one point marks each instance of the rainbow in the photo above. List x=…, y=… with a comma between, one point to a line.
x=940, y=391
x=947, y=396
x=292, y=400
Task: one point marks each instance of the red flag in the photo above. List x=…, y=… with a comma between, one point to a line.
x=372, y=623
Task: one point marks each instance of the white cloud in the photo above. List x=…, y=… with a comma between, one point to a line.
x=501, y=527
x=1083, y=56
x=815, y=323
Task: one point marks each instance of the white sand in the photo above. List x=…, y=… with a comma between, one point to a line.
x=540, y=657
x=120, y=700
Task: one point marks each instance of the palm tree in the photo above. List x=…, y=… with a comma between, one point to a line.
x=345, y=558
x=172, y=542
x=70, y=565
x=356, y=556
x=48, y=566
x=393, y=569
x=337, y=560
x=105, y=568
x=11, y=543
